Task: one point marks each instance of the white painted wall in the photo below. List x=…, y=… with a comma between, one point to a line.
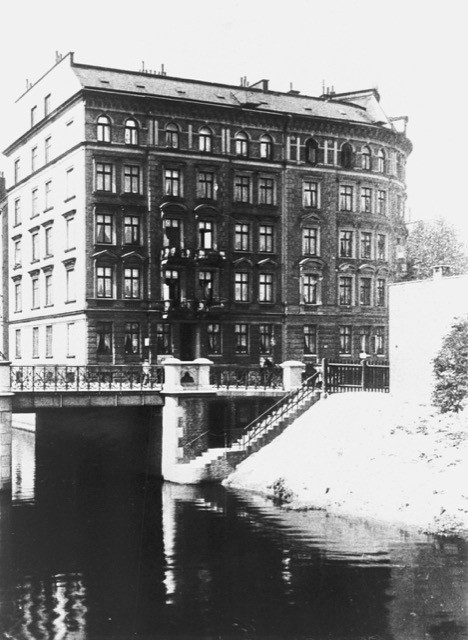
x=421, y=314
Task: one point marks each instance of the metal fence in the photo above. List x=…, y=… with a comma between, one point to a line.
x=87, y=378
x=226, y=376
x=356, y=376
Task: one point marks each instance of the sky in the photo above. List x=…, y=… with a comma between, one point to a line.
x=414, y=52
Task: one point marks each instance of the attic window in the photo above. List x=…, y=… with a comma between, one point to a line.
x=140, y=86
x=180, y=91
x=307, y=108
x=221, y=97
x=104, y=81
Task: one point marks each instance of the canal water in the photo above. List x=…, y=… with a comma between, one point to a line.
x=88, y=553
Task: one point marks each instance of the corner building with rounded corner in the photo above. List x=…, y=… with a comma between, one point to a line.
x=152, y=215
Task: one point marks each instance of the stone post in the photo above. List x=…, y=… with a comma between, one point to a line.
x=6, y=405
x=292, y=374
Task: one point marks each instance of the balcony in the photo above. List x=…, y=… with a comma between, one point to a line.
x=210, y=258
x=175, y=256
x=192, y=309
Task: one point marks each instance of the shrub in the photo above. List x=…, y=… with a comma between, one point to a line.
x=281, y=494
x=451, y=369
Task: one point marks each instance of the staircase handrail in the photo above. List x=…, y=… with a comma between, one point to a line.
x=250, y=431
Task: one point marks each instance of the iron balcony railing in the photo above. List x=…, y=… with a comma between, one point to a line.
x=87, y=378
x=225, y=376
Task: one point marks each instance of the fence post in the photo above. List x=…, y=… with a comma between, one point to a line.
x=325, y=375
x=364, y=374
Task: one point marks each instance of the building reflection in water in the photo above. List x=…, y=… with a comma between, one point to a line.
x=24, y=465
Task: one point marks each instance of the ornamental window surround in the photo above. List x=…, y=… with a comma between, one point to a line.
x=366, y=158
x=310, y=194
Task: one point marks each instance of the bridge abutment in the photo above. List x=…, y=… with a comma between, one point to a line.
x=6, y=410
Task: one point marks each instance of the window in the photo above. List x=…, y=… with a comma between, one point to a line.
x=330, y=151
x=34, y=159
x=346, y=244
x=18, y=296
x=104, y=228
x=172, y=136
x=33, y=115
x=172, y=182
x=46, y=105
x=265, y=287
x=48, y=242
x=132, y=282
x=104, y=338
x=172, y=233
x=205, y=234
x=346, y=198
x=379, y=341
x=345, y=290
x=70, y=240
x=242, y=188
x=266, y=147
x=345, y=339
x=71, y=340
x=366, y=162
x=35, y=342
x=310, y=289
x=381, y=161
x=266, y=191
x=365, y=288
x=381, y=291
x=241, y=338
x=104, y=282
x=205, y=185
x=70, y=183
x=366, y=199
x=205, y=282
x=48, y=195
x=132, y=179
x=35, y=300
x=47, y=149
x=347, y=156
x=17, y=170
x=104, y=176
x=48, y=341
x=241, y=143
x=399, y=166
x=310, y=241
x=103, y=129
x=171, y=285
x=265, y=339
x=366, y=245
x=310, y=194
x=17, y=211
x=34, y=203
x=242, y=237
x=35, y=245
x=381, y=247
x=214, y=338
x=312, y=152
x=49, y=299
x=17, y=343
x=131, y=230
x=241, y=286
x=131, y=132
x=382, y=202
x=17, y=253
x=132, y=338
x=310, y=339
x=70, y=283
x=400, y=205
x=205, y=138
x=365, y=339
x=265, y=238
x=163, y=338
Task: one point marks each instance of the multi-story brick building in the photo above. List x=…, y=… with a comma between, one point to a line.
x=152, y=215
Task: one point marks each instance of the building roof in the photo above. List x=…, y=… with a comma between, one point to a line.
x=145, y=83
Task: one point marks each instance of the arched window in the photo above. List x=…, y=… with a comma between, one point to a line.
x=347, y=156
x=312, y=151
x=366, y=163
x=103, y=129
x=172, y=136
x=241, y=144
x=131, y=131
x=205, y=138
x=381, y=161
x=266, y=147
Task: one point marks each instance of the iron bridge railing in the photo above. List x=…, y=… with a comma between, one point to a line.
x=229, y=376
x=87, y=378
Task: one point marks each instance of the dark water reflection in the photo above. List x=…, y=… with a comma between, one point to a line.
x=123, y=556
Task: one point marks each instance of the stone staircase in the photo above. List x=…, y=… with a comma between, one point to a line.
x=215, y=465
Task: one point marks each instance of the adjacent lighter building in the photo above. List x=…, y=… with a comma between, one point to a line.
x=151, y=215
